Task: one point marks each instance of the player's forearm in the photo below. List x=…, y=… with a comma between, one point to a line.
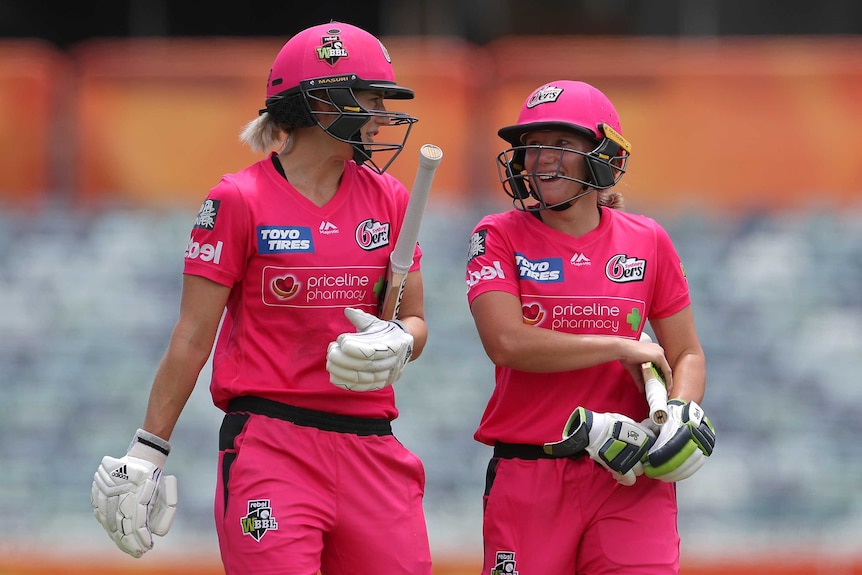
x=419, y=330
x=174, y=382
x=545, y=351
x=167, y=400
x=689, y=376
x=412, y=312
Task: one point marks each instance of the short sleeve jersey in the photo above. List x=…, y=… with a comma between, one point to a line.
x=293, y=267
x=605, y=283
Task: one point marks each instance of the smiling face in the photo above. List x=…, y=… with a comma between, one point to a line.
x=554, y=159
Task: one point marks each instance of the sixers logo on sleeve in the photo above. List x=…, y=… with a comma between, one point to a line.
x=207, y=215
x=476, y=272
x=477, y=245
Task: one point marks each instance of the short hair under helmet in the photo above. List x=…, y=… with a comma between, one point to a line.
x=327, y=63
x=565, y=105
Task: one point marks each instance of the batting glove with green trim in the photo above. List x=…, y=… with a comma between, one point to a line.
x=614, y=441
x=683, y=444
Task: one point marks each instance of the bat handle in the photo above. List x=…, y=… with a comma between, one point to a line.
x=656, y=394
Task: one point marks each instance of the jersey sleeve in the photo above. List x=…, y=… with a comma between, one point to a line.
x=417, y=256
x=490, y=261
x=671, y=290
x=218, y=247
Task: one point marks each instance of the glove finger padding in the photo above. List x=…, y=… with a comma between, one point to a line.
x=683, y=444
x=122, y=492
x=338, y=356
x=614, y=441
x=372, y=358
x=165, y=506
x=354, y=379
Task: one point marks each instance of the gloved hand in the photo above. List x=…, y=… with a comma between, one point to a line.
x=615, y=441
x=130, y=497
x=684, y=442
x=373, y=357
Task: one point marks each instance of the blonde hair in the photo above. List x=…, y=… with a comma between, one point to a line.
x=610, y=199
x=264, y=133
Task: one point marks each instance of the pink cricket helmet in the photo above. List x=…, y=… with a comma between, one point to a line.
x=564, y=104
x=567, y=105
x=342, y=53
x=316, y=74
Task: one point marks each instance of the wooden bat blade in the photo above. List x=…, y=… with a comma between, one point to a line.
x=393, y=292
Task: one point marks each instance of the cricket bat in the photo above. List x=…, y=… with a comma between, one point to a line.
x=401, y=258
x=656, y=393
x=655, y=389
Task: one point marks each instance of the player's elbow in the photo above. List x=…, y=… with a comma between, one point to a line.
x=502, y=350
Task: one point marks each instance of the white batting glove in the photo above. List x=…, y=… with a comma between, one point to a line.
x=373, y=357
x=614, y=441
x=130, y=497
x=684, y=442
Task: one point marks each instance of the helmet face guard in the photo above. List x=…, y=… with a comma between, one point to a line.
x=606, y=164
x=343, y=117
x=314, y=80
x=570, y=106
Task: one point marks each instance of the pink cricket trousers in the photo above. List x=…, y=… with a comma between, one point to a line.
x=566, y=516
x=322, y=492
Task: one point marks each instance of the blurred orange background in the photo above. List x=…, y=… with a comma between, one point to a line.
x=724, y=124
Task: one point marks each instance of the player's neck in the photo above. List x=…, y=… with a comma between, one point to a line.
x=315, y=178
x=578, y=220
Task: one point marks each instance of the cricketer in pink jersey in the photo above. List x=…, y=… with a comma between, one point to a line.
x=295, y=267
x=285, y=265
x=561, y=289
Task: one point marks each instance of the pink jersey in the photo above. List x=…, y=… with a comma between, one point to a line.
x=607, y=282
x=292, y=268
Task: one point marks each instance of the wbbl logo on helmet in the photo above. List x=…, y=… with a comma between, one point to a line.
x=332, y=48
x=544, y=95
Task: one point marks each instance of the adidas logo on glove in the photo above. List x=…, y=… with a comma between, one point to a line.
x=120, y=472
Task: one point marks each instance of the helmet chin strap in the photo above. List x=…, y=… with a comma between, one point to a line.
x=563, y=206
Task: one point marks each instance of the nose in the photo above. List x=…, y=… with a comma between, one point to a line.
x=547, y=157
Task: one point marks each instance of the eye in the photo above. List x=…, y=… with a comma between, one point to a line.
x=375, y=102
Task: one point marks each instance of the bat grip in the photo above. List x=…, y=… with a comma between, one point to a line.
x=402, y=255
x=400, y=268
x=656, y=395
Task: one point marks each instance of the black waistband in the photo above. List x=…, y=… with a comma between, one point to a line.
x=310, y=417
x=523, y=451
